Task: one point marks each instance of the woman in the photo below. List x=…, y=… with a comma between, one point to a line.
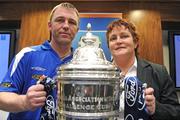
x=160, y=97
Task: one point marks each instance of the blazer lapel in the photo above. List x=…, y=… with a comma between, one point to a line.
x=143, y=72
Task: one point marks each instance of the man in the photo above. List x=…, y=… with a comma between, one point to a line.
x=19, y=92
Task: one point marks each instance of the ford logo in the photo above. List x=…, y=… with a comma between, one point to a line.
x=131, y=87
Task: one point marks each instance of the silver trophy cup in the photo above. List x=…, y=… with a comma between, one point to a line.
x=88, y=86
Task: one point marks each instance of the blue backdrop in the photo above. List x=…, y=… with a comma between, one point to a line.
x=98, y=27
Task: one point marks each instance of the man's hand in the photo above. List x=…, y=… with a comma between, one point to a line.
x=35, y=97
x=150, y=100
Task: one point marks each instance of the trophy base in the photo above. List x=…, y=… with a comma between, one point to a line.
x=89, y=116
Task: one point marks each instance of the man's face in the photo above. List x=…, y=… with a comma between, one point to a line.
x=63, y=26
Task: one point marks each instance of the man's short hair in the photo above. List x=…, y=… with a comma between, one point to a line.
x=64, y=5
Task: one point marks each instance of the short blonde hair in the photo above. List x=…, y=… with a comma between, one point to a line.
x=64, y=5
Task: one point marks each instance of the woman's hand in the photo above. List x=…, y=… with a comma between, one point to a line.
x=150, y=100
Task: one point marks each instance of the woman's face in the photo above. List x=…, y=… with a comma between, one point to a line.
x=121, y=42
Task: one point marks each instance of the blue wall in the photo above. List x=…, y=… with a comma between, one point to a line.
x=98, y=27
